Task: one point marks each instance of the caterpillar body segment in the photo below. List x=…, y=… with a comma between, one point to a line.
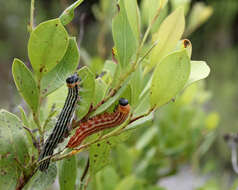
x=61, y=126
x=100, y=122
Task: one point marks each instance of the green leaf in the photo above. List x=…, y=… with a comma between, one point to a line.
x=57, y=76
x=199, y=70
x=127, y=183
x=100, y=90
x=150, y=154
x=185, y=44
x=86, y=91
x=13, y=149
x=169, y=78
x=149, y=10
x=133, y=15
x=181, y=3
x=57, y=99
x=200, y=13
x=123, y=37
x=24, y=119
x=136, y=86
x=144, y=105
x=47, y=45
x=141, y=122
x=168, y=35
x=68, y=173
x=108, y=173
x=99, y=155
x=26, y=84
x=96, y=65
x=124, y=159
x=113, y=99
x=42, y=180
x=146, y=138
x=68, y=14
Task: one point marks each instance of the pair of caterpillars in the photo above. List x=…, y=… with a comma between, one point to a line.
x=86, y=128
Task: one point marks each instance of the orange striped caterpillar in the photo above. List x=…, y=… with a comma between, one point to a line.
x=61, y=126
x=99, y=123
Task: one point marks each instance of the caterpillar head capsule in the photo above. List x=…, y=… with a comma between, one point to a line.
x=124, y=106
x=72, y=80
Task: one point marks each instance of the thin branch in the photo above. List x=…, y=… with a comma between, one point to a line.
x=31, y=27
x=140, y=116
x=81, y=30
x=35, y=142
x=84, y=174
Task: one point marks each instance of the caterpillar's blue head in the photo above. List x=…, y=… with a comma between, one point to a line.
x=123, y=101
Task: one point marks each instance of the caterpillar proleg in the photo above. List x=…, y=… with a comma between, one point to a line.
x=61, y=126
x=100, y=122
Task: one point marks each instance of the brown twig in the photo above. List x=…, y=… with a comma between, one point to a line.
x=84, y=174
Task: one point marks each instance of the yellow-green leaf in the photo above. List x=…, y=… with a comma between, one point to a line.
x=199, y=70
x=169, y=78
x=168, y=35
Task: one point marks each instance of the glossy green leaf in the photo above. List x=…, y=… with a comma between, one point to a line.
x=47, y=45
x=169, y=78
x=42, y=180
x=68, y=173
x=123, y=37
x=127, y=183
x=133, y=15
x=13, y=146
x=86, y=91
x=68, y=14
x=168, y=35
x=199, y=70
x=57, y=76
x=26, y=84
x=113, y=99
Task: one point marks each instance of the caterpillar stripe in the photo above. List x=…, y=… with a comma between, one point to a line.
x=61, y=126
x=100, y=122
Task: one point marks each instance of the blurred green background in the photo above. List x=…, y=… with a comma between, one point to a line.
x=215, y=41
